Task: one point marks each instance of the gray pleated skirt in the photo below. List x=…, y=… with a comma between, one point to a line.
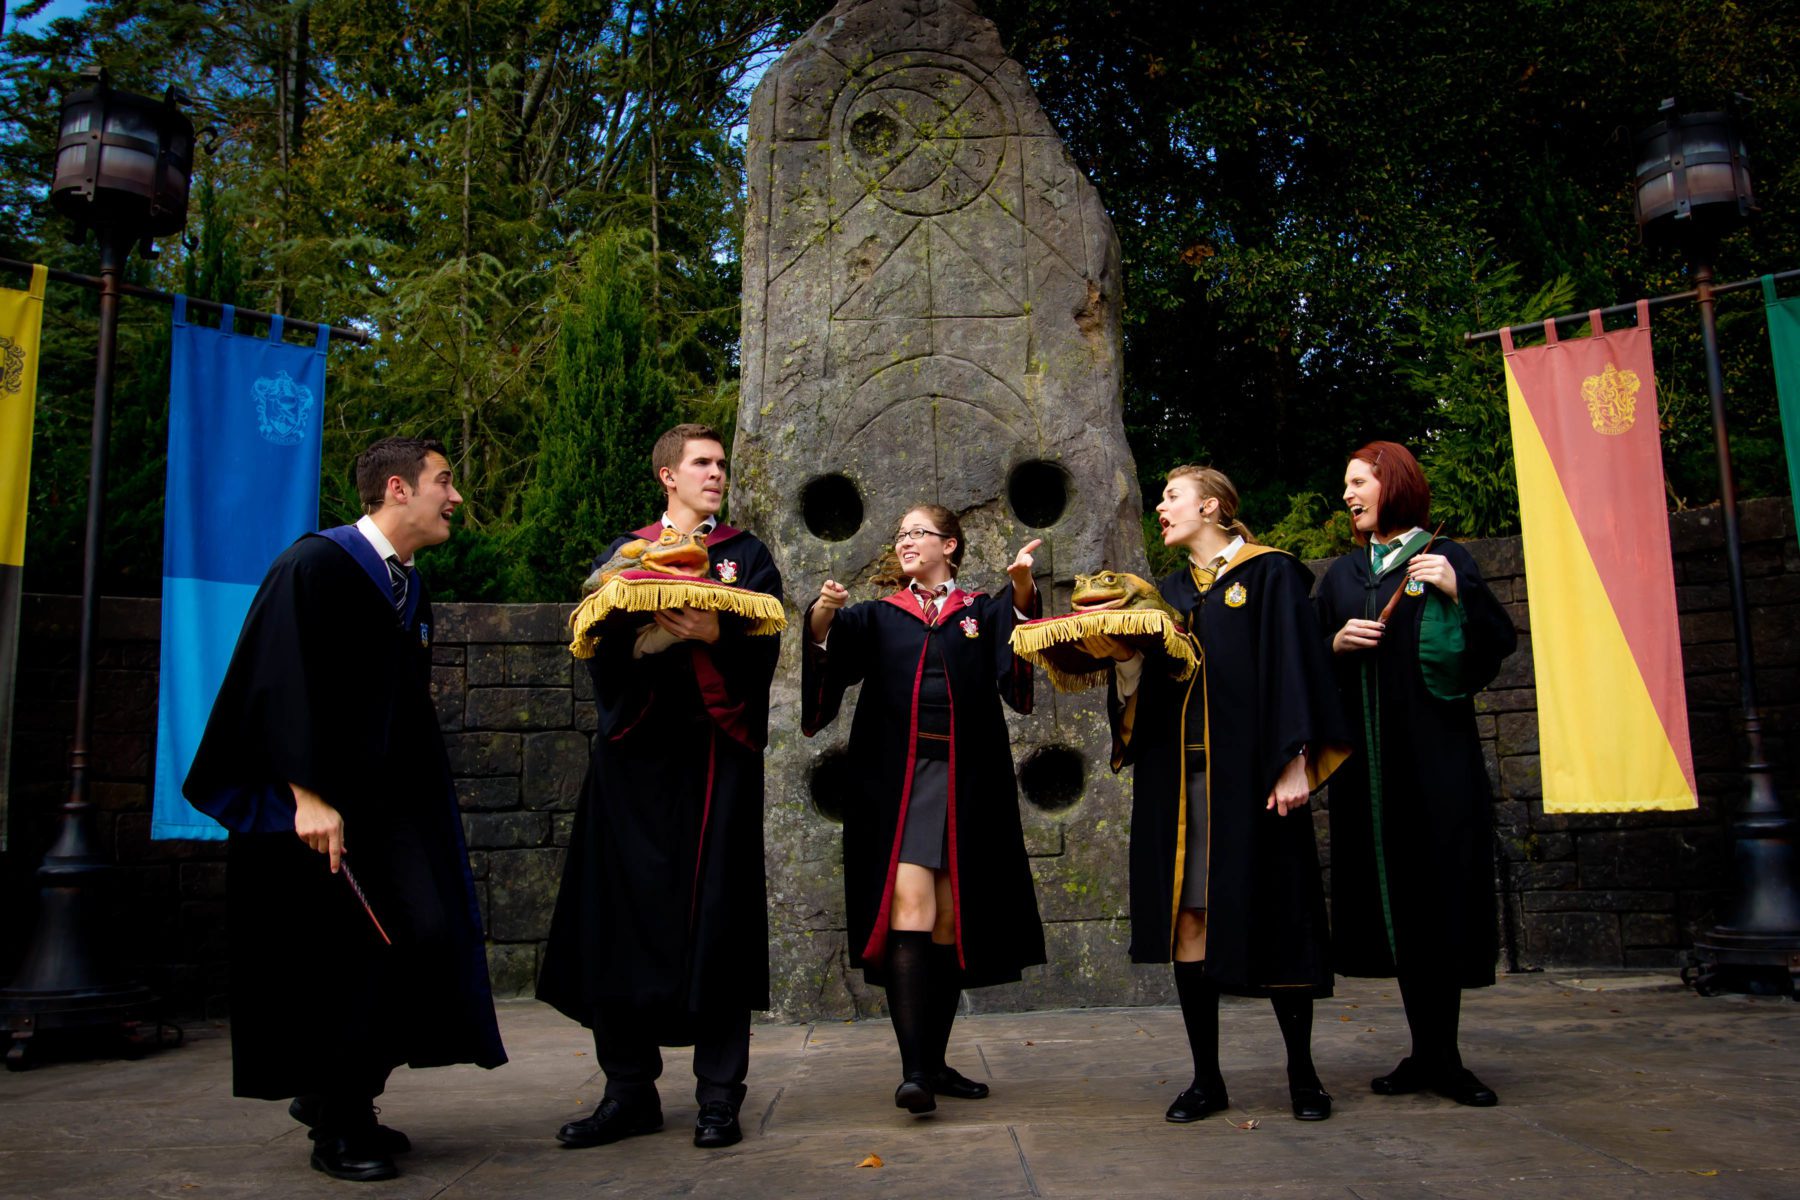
x=927, y=809
x=1193, y=875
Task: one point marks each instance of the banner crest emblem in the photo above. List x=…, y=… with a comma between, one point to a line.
x=1611, y=399
x=283, y=408
x=12, y=366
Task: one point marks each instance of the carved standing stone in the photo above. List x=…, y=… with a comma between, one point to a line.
x=931, y=314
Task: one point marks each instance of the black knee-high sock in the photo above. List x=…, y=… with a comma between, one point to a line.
x=946, y=993
x=1449, y=1006
x=1295, y=1016
x=909, y=997
x=1200, y=1013
x=1433, y=1012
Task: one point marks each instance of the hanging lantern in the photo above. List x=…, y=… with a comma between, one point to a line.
x=123, y=162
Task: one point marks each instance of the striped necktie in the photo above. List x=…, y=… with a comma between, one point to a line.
x=1204, y=576
x=928, y=602
x=397, y=581
x=1378, y=552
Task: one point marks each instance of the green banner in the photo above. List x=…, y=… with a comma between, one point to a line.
x=1784, y=344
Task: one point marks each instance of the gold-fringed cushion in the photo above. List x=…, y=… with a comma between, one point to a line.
x=652, y=591
x=1055, y=644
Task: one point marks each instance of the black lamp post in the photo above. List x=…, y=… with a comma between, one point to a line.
x=1693, y=186
x=122, y=168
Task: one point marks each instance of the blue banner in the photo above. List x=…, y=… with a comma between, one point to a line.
x=245, y=416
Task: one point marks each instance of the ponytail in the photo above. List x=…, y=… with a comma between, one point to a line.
x=1214, y=484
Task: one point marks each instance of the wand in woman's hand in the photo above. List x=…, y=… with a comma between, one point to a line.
x=1388, y=609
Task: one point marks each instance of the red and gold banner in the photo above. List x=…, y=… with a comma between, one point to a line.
x=1612, y=710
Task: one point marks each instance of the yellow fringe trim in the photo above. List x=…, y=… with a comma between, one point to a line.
x=1036, y=642
x=763, y=611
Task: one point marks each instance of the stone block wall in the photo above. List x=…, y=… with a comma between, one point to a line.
x=1577, y=891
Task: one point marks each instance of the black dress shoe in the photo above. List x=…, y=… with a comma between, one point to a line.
x=1311, y=1103
x=1410, y=1076
x=305, y=1109
x=609, y=1122
x=914, y=1094
x=1461, y=1086
x=1196, y=1102
x=953, y=1083
x=354, y=1157
x=718, y=1126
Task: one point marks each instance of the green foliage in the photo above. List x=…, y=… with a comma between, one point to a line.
x=1163, y=559
x=424, y=170
x=1313, y=528
x=1468, y=455
x=613, y=394
x=1315, y=201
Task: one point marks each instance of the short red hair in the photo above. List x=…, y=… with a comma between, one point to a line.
x=1405, y=496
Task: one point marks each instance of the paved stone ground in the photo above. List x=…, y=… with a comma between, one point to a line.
x=1612, y=1087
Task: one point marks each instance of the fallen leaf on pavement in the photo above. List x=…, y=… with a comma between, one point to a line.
x=874, y=1160
x=1252, y=1123
x=1708, y=1174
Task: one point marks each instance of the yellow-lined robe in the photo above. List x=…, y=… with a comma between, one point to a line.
x=1265, y=681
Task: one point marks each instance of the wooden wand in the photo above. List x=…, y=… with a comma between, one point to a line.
x=350, y=878
x=1387, y=609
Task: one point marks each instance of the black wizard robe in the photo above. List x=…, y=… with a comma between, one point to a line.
x=886, y=646
x=1412, y=819
x=1267, y=691
x=330, y=689
x=663, y=905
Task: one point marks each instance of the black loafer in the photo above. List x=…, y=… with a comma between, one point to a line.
x=1461, y=1086
x=1410, y=1076
x=355, y=1158
x=305, y=1109
x=953, y=1083
x=1196, y=1102
x=1310, y=1103
x=718, y=1126
x=609, y=1122
x=914, y=1094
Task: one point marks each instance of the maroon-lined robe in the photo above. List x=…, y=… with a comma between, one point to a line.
x=885, y=645
x=663, y=903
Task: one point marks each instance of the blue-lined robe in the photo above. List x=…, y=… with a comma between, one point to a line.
x=329, y=688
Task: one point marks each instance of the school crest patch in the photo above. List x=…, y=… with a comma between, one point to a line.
x=727, y=570
x=424, y=636
x=1415, y=588
x=970, y=627
x=1235, y=595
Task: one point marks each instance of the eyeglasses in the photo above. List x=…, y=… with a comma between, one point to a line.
x=917, y=533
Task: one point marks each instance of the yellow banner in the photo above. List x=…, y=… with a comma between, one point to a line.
x=21, y=321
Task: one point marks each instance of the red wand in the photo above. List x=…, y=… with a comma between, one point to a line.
x=356, y=888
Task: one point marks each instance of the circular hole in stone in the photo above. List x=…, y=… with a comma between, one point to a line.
x=874, y=134
x=1038, y=491
x=1053, y=777
x=831, y=507
x=830, y=782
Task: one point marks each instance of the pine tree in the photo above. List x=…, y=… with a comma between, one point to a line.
x=612, y=395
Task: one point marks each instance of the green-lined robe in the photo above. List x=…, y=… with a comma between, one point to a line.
x=1425, y=902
